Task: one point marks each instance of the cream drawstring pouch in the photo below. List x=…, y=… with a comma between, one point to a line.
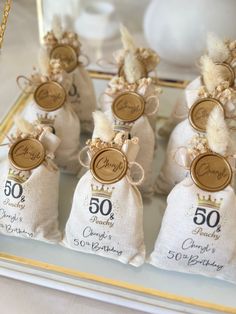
x=134, y=65
x=51, y=107
x=216, y=92
x=223, y=54
x=130, y=105
x=107, y=211
x=198, y=231
x=66, y=47
x=29, y=185
x=180, y=110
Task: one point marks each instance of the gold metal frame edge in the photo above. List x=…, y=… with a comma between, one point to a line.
x=114, y=283
x=5, y=128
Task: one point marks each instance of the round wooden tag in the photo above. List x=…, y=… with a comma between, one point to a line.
x=228, y=71
x=128, y=106
x=109, y=165
x=26, y=154
x=200, y=111
x=50, y=96
x=211, y=172
x=67, y=55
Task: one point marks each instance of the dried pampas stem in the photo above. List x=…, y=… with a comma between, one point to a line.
x=211, y=73
x=217, y=49
x=43, y=62
x=133, y=68
x=23, y=125
x=127, y=39
x=103, y=128
x=217, y=132
x=57, y=27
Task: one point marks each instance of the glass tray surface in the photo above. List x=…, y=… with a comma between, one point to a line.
x=146, y=284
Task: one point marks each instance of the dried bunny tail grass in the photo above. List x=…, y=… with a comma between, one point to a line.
x=44, y=62
x=23, y=125
x=127, y=39
x=133, y=68
x=217, y=132
x=103, y=128
x=57, y=27
x=212, y=75
x=217, y=49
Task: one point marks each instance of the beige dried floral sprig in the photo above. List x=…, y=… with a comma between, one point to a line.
x=119, y=84
x=220, y=50
x=223, y=92
x=57, y=36
x=217, y=137
x=97, y=144
x=103, y=135
x=232, y=48
x=198, y=145
x=148, y=57
x=52, y=71
x=25, y=129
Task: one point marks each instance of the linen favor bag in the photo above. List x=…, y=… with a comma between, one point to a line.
x=223, y=54
x=50, y=106
x=29, y=185
x=107, y=211
x=66, y=46
x=134, y=63
x=215, y=92
x=129, y=111
x=198, y=231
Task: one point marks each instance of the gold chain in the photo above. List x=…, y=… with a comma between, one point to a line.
x=3, y=24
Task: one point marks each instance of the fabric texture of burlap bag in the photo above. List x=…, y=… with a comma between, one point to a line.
x=107, y=219
x=29, y=199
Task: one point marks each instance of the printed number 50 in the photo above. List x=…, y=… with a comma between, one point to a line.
x=105, y=207
x=212, y=218
x=15, y=189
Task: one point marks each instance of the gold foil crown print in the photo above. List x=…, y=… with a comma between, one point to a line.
x=17, y=176
x=209, y=202
x=103, y=191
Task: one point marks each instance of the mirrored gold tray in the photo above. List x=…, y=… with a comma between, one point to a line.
x=145, y=288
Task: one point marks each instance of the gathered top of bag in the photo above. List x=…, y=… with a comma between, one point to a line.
x=111, y=154
x=209, y=154
x=144, y=60
x=49, y=84
x=215, y=92
x=64, y=45
x=129, y=101
x=223, y=53
x=49, y=70
x=104, y=135
x=58, y=36
x=30, y=146
x=215, y=84
x=118, y=85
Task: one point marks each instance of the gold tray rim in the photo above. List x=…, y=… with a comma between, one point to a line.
x=5, y=127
